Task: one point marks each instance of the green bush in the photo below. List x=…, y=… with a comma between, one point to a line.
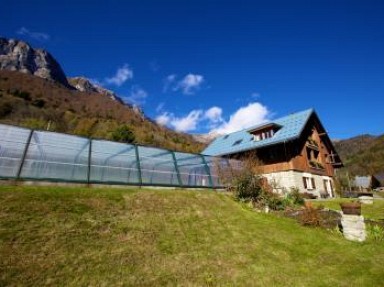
x=294, y=197
x=247, y=186
x=273, y=201
x=123, y=134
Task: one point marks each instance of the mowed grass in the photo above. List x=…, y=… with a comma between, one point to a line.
x=373, y=211
x=113, y=237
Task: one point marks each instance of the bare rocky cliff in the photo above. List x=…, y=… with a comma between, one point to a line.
x=85, y=85
x=17, y=55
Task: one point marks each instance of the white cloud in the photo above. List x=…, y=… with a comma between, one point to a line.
x=187, y=85
x=187, y=123
x=190, y=84
x=164, y=119
x=253, y=114
x=122, y=75
x=183, y=124
x=214, y=115
x=250, y=115
x=34, y=35
x=137, y=96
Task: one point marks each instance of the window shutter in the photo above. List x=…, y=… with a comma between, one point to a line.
x=313, y=183
x=325, y=184
x=305, y=182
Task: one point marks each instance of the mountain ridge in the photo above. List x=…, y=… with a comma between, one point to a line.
x=362, y=154
x=35, y=93
x=17, y=55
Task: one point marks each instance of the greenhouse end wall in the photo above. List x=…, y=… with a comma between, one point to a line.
x=49, y=156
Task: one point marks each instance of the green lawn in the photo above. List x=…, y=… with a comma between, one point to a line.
x=371, y=211
x=114, y=237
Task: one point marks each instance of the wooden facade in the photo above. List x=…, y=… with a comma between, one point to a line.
x=311, y=154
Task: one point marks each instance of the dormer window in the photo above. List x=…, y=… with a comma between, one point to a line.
x=264, y=132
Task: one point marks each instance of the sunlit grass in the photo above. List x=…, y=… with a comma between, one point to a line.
x=371, y=211
x=113, y=237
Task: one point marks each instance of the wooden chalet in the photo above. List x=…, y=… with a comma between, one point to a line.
x=295, y=151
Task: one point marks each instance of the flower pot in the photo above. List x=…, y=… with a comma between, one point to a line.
x=352, y=208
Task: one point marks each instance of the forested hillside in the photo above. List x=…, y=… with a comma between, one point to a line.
x=362, y=155
x=34, y=102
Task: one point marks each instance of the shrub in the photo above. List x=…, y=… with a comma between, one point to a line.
x=272, y=200
x=311, y=216
x=247, y=186
x=39, y=103
x=123, y=134
x=294, y=197
x=5, y=109
x=23, y=95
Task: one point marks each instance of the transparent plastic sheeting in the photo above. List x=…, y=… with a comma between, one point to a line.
x=39, y=155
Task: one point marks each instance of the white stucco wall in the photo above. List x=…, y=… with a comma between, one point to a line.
x=287, y=179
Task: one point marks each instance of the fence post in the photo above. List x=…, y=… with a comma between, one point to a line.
x=89, y=162
x=177, y=169
x=207, y=169
x=24, y=155
x=138, y=165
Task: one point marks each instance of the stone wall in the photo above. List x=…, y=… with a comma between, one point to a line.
x=291, y=178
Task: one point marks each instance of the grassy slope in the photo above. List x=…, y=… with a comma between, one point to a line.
x=112, y=237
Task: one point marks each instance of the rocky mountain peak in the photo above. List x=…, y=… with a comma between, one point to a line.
x=85, y=85
x=17, y=55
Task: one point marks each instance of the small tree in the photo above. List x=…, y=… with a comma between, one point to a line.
x=248, y=184
x=342, y=182
x=243, y=177
x=123, y=134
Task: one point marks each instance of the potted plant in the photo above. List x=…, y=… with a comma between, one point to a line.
x=352, y=208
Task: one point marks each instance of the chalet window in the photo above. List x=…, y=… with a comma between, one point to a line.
x=309, y=183
x=312, y=154
x=313, y=183
x=328, y=185
x=314, y=158
x=331, y=158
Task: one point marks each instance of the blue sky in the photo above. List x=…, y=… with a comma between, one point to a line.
x=201, y=66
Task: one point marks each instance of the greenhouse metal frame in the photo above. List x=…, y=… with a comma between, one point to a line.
x=27, y=154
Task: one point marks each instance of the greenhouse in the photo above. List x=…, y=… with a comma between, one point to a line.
x=49, y=156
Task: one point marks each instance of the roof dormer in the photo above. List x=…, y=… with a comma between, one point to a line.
x=264, y=131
